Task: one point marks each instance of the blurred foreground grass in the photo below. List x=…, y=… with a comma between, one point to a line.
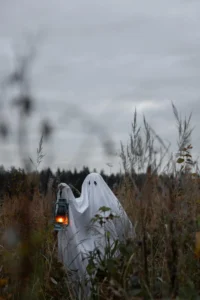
x=162, y=263
x=28, y=254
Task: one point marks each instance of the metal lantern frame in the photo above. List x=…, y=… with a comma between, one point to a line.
x=61, y=213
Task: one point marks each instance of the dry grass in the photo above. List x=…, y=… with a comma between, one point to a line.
x=166, y=215
x=164, y=260
x=28, y=253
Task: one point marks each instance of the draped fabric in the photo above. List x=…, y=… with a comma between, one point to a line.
x=80, y=236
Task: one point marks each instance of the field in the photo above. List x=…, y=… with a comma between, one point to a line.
x=161, y=263
x=163, y=260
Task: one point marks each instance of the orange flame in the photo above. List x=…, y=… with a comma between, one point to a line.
x=62, y=220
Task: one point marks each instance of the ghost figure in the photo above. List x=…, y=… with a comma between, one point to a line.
x=81, y=237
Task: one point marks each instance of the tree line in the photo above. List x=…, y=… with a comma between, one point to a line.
x=15, y=181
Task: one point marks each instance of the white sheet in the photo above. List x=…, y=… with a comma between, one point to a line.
x=79, y=238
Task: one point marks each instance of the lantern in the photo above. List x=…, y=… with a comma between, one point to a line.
x=61, y=215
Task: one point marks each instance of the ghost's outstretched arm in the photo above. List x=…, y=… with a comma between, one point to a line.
x=79, y=205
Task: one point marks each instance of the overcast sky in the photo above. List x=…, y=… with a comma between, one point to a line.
x=105, y=58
